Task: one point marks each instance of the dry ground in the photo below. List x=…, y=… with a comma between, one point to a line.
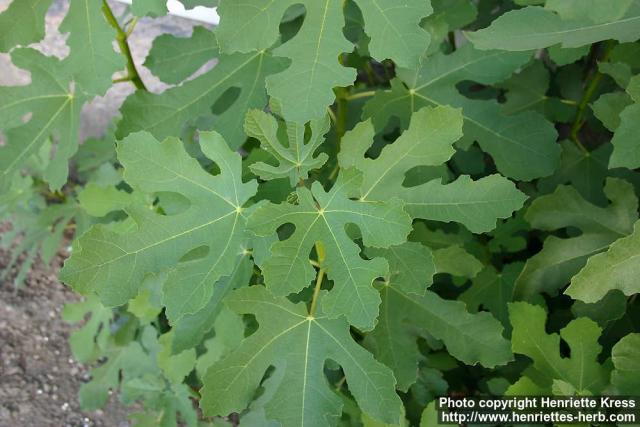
x=39, y=379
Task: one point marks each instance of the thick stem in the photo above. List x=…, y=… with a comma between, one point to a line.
x=121, y=38
x=316, y=290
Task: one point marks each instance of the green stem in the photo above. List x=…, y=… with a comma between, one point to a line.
x=339, y=120
x=131, y=26
x=568, y=102
x=334, y=172
x=332, y=115
x=360, y=95
x=591, y=89
x=121, y=38
x=121, y=79
x=316, y=291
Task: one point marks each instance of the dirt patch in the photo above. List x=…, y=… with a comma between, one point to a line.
x=39, y=380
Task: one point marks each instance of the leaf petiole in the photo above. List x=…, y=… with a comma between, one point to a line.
x=594, y=83
x=121, y=38
x=360, y=95
x=316, y=291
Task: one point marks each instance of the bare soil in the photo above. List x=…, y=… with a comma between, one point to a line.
x=39, y=380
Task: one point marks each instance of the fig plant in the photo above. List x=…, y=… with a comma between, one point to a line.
x=363, y=205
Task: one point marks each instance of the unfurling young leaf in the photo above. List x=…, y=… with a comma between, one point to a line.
x=295, y=159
